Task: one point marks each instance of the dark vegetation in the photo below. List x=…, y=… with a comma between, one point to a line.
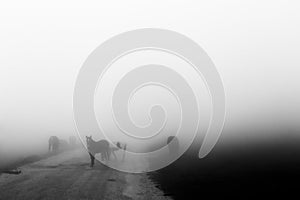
x=239, y=171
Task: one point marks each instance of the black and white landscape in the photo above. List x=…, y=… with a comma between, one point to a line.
x=255, y=47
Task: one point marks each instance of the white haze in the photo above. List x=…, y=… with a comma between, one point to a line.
x=254, y=44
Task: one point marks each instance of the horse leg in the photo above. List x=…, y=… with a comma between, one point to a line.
x=104, y=156
x=107, y=153
x=113, y=153
x=124, y=151
x=54, y=148
x=92, y=159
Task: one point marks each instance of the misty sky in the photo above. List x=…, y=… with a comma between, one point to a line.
x=255, y=46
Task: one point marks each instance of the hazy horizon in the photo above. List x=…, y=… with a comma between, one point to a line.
x=254, y=45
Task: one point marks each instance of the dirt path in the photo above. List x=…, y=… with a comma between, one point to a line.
x=68, y=176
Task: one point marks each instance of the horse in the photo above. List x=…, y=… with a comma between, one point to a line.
x=118, y=146
x=173, y=146
x=53, y=144
x=95, y=147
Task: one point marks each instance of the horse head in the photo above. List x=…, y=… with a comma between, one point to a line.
x=89, y=139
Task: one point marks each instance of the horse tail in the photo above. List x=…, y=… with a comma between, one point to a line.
x=124, y=149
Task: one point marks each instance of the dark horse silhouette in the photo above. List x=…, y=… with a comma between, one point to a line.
x=118, y=146
x=173, y=145
x=53, y=144
x=95, y=147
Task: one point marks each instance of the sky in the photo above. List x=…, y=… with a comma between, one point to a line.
x=254, y=45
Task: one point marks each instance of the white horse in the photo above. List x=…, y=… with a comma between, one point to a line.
x=95, y=147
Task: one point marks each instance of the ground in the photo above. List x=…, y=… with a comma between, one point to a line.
x=68, y=176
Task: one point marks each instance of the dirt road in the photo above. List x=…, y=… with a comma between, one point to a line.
x=68, y=176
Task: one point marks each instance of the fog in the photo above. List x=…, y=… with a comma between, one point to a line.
x=254, y=45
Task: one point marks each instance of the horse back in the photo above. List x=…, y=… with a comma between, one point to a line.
x=99, y=146
x=53, y=139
